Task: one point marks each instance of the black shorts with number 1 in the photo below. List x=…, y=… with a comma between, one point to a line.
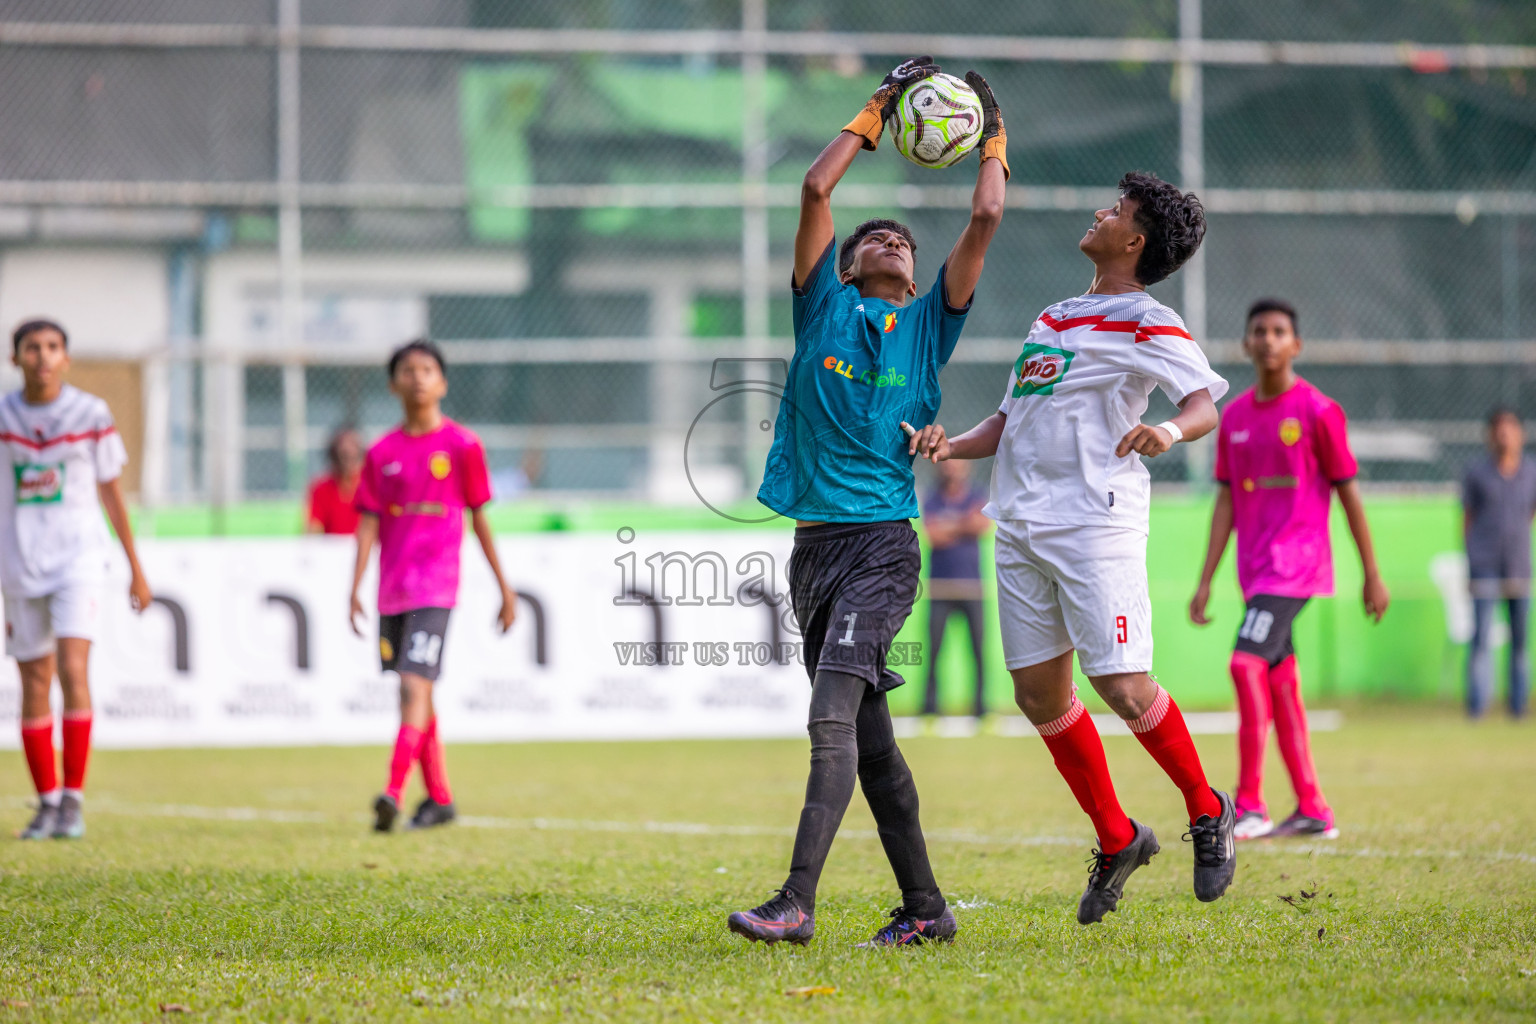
x=1267, y=624
x=852, y=585
x=412, y=642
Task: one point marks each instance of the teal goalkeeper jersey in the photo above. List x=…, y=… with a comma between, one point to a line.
x=861, y=367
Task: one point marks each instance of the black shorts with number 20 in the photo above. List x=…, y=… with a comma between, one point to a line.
x=852, y=585
x=1266, y=628
x=413, y=641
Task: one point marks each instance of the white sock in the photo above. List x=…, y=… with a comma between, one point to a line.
x=50, y=798
x=78, y=795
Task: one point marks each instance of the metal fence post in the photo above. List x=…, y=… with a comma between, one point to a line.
x=290, y=244
x=754, y=228
x=1199, y=454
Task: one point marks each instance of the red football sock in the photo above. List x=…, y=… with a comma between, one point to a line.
x=433, y=771
x=37, y=742
x=1291, y=734
x=1250, y=676
x=1163, y=732
x=407, y=744
x=77, y=747
x=1074, y=742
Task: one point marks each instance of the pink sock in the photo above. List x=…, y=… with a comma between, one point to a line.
x=433, y=771
x=407, y=745
x=1291, y=734
x=1165, y=736
x=1250, y=676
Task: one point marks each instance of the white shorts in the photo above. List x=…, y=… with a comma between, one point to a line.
x=1066, y=587
x=33, y=624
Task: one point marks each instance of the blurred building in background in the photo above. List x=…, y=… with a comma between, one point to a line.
x=239, y=206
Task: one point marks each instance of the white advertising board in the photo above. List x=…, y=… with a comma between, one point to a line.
x=659, y=636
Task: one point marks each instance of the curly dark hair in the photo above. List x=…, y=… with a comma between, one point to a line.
x=845, y=255
x=1174, y=223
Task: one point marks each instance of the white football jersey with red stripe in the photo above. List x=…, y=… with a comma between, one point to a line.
x=51, y=528
x=1081, y=382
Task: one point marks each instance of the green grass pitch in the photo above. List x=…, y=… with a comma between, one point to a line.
x=591, y=882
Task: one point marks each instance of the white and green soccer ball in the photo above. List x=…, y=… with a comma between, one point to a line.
x=936, y=122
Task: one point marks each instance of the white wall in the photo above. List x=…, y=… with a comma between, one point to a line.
x=113, y=302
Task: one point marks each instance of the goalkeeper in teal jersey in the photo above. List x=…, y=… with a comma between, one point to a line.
x=866, y=363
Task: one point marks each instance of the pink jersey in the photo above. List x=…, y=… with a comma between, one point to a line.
x=419, y=488
x=1281, y=459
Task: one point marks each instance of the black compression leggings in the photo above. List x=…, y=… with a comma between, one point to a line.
x=851, y=735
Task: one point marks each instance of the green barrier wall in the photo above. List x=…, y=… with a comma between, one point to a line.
x=1342, y=654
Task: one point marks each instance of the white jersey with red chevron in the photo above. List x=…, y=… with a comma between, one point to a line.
x=1080, y=383
x=51, y=528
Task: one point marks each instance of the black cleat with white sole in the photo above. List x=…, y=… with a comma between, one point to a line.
x=1107, y=875
x=1215, y=851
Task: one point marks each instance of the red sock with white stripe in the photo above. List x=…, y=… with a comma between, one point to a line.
x=1250, y=677
x=77, y=749
x=407, y=745
x=1163, y=732
x=37, y=743
x=433, y=771
x=1291, y=736
x=1074, y=742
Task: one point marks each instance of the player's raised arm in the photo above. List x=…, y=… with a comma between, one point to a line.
x=863, y=132
x=963, y=269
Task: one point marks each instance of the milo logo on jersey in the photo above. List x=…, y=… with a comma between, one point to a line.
x=1039, y=369
x=39, y=485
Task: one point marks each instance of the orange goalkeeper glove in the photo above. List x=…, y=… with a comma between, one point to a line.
x=871, y=120
x=994, y=137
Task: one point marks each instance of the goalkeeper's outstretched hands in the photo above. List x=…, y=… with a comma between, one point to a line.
x=994, y=137
x=871, y=120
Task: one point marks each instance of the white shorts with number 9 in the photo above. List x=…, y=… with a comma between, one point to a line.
x=34, y=624
x=1066, y=587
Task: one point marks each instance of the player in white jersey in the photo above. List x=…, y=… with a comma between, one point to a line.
x=64, y=456
x=1070, y=496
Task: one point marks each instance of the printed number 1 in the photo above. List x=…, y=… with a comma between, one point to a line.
x=1121, y=629
x=847, y=638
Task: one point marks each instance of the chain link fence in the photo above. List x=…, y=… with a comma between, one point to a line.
x=248, y=202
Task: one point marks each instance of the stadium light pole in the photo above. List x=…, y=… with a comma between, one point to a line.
x=1191, y=88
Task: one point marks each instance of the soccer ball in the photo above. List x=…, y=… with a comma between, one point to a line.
x=936, y=122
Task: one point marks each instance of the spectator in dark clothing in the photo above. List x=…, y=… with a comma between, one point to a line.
x=953, y=521
x=1498, y=499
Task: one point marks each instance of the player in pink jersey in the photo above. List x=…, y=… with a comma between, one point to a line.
x=416, y=483
x=1281, y=452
